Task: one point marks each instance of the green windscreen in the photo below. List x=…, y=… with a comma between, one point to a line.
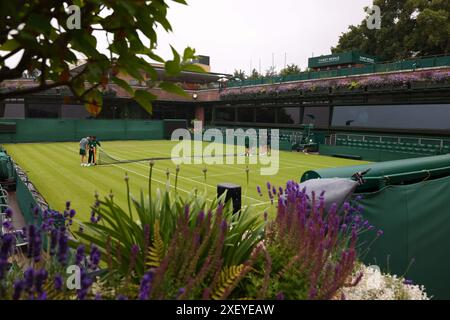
x=416, y=223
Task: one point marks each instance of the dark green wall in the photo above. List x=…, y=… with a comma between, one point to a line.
x=53, y=130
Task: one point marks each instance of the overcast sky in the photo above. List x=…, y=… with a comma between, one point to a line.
x=237, y=33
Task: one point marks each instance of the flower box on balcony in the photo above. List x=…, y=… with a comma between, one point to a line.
x=290, y=93
x=318, y=91
x=429, y=85
x=348, y=89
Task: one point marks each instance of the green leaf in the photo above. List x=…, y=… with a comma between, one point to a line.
x=145, y=99
x=172, y=68
x=173, y=88
x=192, y=68
x=39, y=23
x=123, y=84
x=176, y=55
x=10, y=45
x=189, y=53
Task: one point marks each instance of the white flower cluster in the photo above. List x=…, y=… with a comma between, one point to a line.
x=375, y=285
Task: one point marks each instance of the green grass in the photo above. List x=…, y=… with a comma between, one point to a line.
x=55, y=170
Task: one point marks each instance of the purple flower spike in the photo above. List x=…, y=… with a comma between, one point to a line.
x=9, y=213
x=180, y=292
x=145, y=289
x=95, y=256
x=58, y=282
x=258, y=188
x=224, y=226
x=79, y=256
x=19, y=286
x=28, y=278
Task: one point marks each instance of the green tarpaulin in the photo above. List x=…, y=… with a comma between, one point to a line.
x=416, y=223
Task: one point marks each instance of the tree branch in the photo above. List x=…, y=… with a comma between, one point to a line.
x=6, y=73
x=16, y=93
x=9, y=54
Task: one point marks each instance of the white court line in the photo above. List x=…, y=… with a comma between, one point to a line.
x=140, y=174
x=304, y=164
x=235, y=174
x=165, y=154
x=181, y=177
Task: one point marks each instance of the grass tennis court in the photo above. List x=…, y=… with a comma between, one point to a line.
x=55, y=170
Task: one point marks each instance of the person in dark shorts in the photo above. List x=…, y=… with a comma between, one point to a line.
x=83, y=146
x=93, y=143
x=247, y=147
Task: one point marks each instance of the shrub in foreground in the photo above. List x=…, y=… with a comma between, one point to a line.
x=169, y=247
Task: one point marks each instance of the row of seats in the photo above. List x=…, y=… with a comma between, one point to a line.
x=394, y=146
x=283, y=136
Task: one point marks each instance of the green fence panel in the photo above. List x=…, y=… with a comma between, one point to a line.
x=136, y=130
x=53, y=130
x=33, y=130
x=426, y=63
x=103, y=129
x=416, y=223
x=26, y=201
x=368, y=155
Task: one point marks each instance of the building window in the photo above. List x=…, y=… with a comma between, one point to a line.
x=35, y=110
x=74, y=112
x=265, y=115
x=246, y=114
x=433, y=117
x=208, y=115
x=289, y=115
x=225, y=114
x=12, y=111
x=318, y=116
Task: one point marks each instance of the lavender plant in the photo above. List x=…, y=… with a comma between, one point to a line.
x=36, y=269
x=167, y=247
x=152, y=223
x=309, y=253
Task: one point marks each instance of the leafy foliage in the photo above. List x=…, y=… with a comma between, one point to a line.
x=156, y=250
x=408, y=28
x=228, y=277
x=291, y=69
x=154, y=222
x=309, y=253
x=239, y=74
x=255, y=75
x=51, y=47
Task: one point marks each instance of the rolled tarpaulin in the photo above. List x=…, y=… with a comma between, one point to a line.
x=389, y=172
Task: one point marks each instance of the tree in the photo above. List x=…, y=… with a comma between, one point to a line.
x=408, y=28
x=239, y=74
x=271, y=72
x=255, y=75
x=51, y=37
x=290, y=70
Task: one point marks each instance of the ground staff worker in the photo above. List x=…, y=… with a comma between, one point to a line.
x=93, y=143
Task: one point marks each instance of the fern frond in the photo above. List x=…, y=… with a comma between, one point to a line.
x=227, y=278
x=155, y=252
x=52, y=293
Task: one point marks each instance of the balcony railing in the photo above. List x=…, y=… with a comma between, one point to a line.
x=411, y=64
